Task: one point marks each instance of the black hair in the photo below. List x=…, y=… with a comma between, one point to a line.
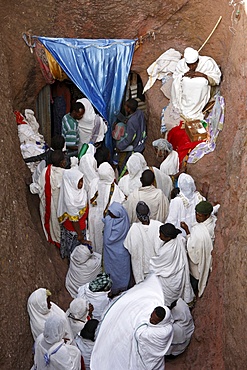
x=175, y=192
x=147, y=178
x=160, y=312
x=132, y=104
x=57, y=142
x=57, y=156
x=102, y=155
x=76, y=107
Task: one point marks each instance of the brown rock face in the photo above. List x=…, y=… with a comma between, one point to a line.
x=27, y=261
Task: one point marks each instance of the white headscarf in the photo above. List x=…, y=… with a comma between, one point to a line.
x=77, y=314
x=84, y=267
x=186, y=185
x=88, y=167
x=54, y=329
x=71, y=199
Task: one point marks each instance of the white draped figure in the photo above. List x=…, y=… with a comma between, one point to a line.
x=155, y=198
x=50, y=175
x=84, y=266
x=192, y=80
x=200, y=246
x=40, y=309
x=88, y=166
x=136, y=164
x=99, y=300
x=50, y=350
x=182, y=208
x=183, y=328
x=138, y=344
x=103, y=192
x=171, y=266
x=168, y=156
x=77, y=314
x=142, y=242
x=92, y=127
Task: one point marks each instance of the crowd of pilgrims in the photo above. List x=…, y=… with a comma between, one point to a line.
x=139, y=255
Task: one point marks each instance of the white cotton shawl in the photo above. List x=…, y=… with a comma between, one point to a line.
x=182, y=208
x=155, y=199
x=163, y=182
x=170, y=166
x=55, y=180
x=171, y=266
x=119, y=324
x=39, y=313
x=183, y=328
x=164, y=65
x=136, y=164
x=61, y=356
x=99, y=300
x=200, y=246
x=71, y=199
x=100, y=188
x=77, y=315
x=88, y=167
x=87, y=122
x=190, y=95
x=152, y=343
x=142, y=242
x=84, y=267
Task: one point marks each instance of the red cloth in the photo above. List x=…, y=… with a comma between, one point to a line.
x=181, y=142
x=20, y=119
x=82, y=222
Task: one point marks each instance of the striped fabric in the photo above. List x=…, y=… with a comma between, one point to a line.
x=70, y=130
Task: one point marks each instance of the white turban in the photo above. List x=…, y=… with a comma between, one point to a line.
x=191, y=55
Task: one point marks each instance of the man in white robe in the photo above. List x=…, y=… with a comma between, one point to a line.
x=127, y=329
x=171, y=266
x=155, y=199
x=192, y=80
x=183, y=327
x=142, y=242
x=200, y=245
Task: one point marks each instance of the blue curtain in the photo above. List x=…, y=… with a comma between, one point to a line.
x=99, y=68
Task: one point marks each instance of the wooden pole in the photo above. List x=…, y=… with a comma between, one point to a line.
x=210, y=34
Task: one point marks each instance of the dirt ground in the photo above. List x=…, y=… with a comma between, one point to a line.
x=28, y=261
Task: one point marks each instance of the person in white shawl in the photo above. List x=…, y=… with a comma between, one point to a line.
x=84, y=266
x=91, y=126
x=136, y=164
x=168, y=156
x=171, y=266
x=182, y=207
x=103, y=192
x=142, y=241
x=200, y=239
x=96, y=292
x=183, y=327
x=77, y=314
x=88, y=167
x=85, y=341
x=72, y=211
x=155, y=198
x=48, y=188
x=40, y=308
x=50, y=350
x=126, y=328
x=192, y=80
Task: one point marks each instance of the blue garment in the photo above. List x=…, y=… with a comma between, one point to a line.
x=116, y=258
x=135, y=132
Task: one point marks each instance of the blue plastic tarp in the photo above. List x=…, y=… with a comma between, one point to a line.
x=99, y=68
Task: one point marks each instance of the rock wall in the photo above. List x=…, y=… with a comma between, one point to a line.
x=29, y=262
